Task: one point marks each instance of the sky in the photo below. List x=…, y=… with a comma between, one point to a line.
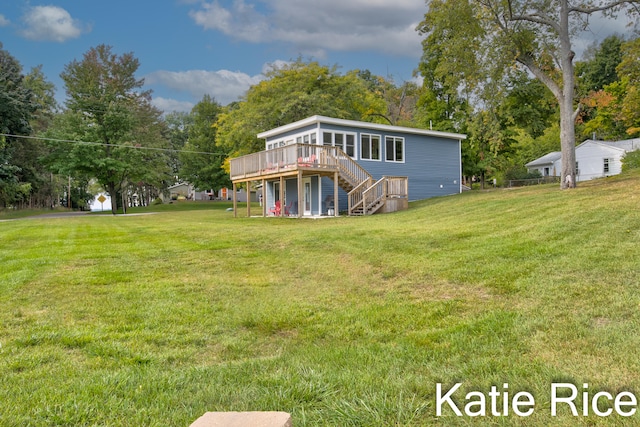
x=189, y=48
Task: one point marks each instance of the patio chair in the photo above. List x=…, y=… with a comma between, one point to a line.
x=276, y=209
x=288, y=210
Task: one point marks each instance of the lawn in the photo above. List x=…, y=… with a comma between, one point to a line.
x=152, y=320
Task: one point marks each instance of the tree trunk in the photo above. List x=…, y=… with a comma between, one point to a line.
x=111, y=188
x=567, y=115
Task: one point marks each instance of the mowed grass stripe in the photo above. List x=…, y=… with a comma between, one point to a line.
x=155, y=319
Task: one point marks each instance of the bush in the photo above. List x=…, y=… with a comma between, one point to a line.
x=521, y=172
x=631, y=161
x=157, y=201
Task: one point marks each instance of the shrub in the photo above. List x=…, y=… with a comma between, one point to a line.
x=631, y=161
x=157, y=201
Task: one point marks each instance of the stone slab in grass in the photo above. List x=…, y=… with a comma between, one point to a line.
x=244, y=419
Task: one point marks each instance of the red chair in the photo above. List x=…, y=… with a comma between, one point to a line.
x=276, y=209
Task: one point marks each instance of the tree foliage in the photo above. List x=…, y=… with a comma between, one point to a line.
x=293, y=92
x=17, y=107
x=106, y=106
x=494, y=37
x=202, y=159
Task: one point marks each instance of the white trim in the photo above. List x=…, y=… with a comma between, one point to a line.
x=380, y=152
x=363, y=125
x=395, y=138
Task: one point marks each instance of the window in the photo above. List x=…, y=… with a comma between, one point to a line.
x=607, y=162
x=394, y=149
x=327, y=138
x=344, y=141
x=577, y=169
x=350, y=145
x=369, y=147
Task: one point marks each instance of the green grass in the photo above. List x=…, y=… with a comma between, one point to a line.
x=153, y=320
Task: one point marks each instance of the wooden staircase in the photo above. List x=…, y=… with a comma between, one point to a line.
x=365, y=196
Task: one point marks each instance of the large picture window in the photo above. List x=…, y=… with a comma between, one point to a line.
x=394, y=149
x=369, y=147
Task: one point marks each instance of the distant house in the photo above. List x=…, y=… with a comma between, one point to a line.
x=186, y=191
x=364, y=167
x=547, y=165
x=594, y=159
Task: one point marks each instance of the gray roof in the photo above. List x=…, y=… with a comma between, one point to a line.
x=627, y=144
x=315, y=120
x=547, y=159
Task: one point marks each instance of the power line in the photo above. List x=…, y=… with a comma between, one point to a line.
x=104, y=144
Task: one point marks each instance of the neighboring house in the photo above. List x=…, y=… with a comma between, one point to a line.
x=594, y=159
x=185, y=190
x=366, y=167
x=547, y=165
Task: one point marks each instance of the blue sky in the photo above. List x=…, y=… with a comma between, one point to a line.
x=188, y=48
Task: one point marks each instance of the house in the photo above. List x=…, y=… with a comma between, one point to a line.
x=365, y=167
x=547, y=165
x=187, y=191
x=594, y=159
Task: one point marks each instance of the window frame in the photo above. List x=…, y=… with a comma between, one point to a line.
x=371, y=137
x=394, y=140
x=343, y=145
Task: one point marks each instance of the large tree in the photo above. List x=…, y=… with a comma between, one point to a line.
x=202, y=158
x=16, y=109
x=293, y=92
x=104, y=99
x=500, y=34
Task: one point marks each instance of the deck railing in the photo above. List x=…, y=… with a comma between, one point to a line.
x=280, y=160
x=386, y=187
x=285, y=158
x=397, y=186
x=356, y=196
x=365, y=195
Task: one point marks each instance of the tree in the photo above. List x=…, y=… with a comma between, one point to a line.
x=536, y=35
x=598, y=68
x=16, y=109
x=102, y=99
x=611, y=111
x=629, y=72
x=204, y=171
x=291, y=93
x=179, y=125
x=528, y=104
x=29, y=152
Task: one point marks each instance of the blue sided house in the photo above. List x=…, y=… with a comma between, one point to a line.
x=323, y=166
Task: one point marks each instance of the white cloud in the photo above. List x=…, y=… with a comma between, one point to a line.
x=170, y=105
x=4, y=21
x=225, y=86
x=354, y=25
x=50, y=23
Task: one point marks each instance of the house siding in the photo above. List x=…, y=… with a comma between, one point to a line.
x=432, y=165
x=590, y=157
x=431, y=160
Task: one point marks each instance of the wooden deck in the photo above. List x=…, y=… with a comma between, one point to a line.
x=299, y=160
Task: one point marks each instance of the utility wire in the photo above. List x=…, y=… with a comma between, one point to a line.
x=113, y=145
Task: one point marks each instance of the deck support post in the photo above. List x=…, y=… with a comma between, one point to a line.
x=336, y=176
x=282, y=201
x=235, y=201
x=300, y=195
x=248, y=199
x=264, y=197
